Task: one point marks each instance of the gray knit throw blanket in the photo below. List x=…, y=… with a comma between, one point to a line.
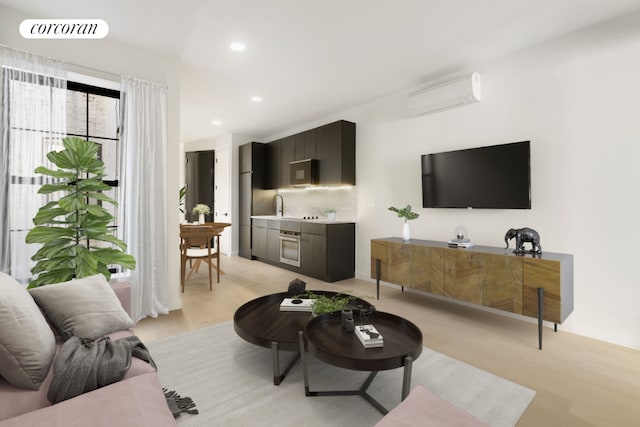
x=84, y=364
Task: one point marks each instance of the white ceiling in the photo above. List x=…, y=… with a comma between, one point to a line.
x=309, y=58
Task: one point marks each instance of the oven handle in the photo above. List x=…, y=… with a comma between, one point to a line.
x=290, y=239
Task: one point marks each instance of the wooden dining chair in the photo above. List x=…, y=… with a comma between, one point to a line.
x=199, y=243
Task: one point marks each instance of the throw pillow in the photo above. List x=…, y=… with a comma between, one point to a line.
x=27, y=344
x=86, y=308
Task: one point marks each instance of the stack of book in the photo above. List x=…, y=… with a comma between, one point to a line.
x=455, y=243
x=369, y=336
x=296, y=304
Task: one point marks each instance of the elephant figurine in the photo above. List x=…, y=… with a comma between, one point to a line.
x=523, y=235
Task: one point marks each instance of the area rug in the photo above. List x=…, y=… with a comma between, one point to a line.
x=231, y=382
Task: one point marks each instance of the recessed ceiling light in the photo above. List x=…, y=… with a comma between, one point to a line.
x=238, y=47
x=216, y=122
x=256, y=98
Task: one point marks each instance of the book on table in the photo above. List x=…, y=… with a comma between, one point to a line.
x=296, y=304
x=369, y=336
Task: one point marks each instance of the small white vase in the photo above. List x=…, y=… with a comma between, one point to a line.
x=406, y=233
x=331, y=216
x=200, y=218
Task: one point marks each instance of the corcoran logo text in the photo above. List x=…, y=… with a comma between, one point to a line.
x=64, y=29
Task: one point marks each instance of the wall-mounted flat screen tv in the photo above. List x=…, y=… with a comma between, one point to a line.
x=494, y=177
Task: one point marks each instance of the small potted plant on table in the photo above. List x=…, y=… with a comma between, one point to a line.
x=201, y=210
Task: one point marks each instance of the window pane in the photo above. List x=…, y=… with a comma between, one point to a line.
x=109, y=154
x=76, y=113
x=103, y=116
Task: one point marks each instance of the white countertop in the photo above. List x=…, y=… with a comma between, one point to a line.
x=315, y=221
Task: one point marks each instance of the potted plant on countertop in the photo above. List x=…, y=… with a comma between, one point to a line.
x=202, y=210
x=407, y=215
x=331, y=214
x=76, y=241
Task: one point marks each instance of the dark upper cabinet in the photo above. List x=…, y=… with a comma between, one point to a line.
x=273, y=164
x=336, y=153
x=304, y=145
x=286, y=157
x=333, y=145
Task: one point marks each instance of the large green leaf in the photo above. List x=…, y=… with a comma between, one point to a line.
x=47, y=214
x=103, y=197
x=99, y=211
x=73, y=202
x=114, y=256
x=52, y=188
x=57, y=173
x=111, y=239
x=86, y=263
x=56, y=248
x=49, y=277
x=92, y=185
x=42, y=234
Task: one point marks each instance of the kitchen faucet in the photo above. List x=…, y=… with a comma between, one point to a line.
x=279, y=211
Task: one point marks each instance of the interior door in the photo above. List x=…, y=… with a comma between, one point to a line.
x=222, y=209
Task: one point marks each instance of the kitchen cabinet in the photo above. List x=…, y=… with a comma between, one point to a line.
x=304, y=145
x=313, y=250
x=332, y=145
x=259, y=238
x=328, y=250
x=254, y=198
x=273, y=241
x=336, y=153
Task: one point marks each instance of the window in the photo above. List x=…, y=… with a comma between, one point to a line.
x=93, y=113
x=85, y=111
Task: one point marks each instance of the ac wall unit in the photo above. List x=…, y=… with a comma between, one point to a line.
x=446, y=94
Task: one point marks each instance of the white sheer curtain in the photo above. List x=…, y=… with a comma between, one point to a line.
x=143, y=204
x=33, y=113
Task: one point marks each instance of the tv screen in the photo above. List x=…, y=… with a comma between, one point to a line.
x=494, y=177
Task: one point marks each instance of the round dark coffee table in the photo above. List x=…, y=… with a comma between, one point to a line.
x=325, y=338
x=261, y=322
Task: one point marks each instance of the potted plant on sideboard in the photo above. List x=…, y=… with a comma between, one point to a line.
x=407, y=215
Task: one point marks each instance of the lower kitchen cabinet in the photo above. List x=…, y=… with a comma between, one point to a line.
x=273, y=241
x=328, y=250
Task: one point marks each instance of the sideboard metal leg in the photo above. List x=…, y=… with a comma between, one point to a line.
x=378, y=277
x=555, y=327
x=540, y=315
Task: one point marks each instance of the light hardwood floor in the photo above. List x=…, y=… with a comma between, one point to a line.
x=579, y=381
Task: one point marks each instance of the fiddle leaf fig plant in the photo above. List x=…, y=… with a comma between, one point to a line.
x=405, y=213
x=73, y=230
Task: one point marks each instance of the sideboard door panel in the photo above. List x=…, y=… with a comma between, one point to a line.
x=502, y=282
x=463, y=275
x=426, y=271
x=379, y=252
x=398, y=263
x=542, y=273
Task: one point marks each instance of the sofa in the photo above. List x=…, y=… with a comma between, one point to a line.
x=28, y=349
x=421, y=407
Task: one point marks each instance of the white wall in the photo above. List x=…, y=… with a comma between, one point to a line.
x=576, y=100
x=114, y=57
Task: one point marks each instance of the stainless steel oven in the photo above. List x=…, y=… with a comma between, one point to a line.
x=290, y=247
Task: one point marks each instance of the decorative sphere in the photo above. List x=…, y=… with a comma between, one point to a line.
x=461, y=232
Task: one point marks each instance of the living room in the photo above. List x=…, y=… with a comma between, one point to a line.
x=571, y=95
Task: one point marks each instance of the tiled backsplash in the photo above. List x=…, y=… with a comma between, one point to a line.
x=316, y=200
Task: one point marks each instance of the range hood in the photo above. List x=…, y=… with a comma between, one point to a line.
x=303, y=173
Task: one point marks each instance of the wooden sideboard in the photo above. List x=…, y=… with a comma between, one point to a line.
x=539, y=286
